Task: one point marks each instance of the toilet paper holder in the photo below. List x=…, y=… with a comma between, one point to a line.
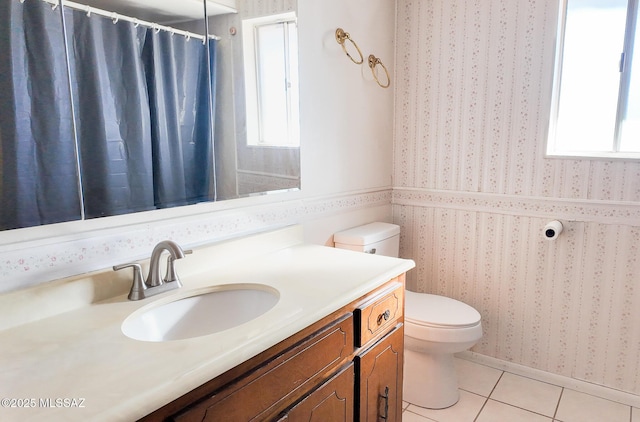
x=552, y=230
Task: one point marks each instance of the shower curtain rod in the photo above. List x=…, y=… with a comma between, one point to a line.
x=116, y=17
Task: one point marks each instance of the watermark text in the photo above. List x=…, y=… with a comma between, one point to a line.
x=52, y=402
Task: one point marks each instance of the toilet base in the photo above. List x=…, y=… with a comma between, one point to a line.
x=430, y=380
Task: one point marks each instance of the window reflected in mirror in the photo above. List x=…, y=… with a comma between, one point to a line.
x=271, y=80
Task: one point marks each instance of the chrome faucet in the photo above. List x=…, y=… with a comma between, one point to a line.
x=155, y=284
x=154, y=278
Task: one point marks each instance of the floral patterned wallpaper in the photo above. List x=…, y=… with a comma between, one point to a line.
x=473, y=191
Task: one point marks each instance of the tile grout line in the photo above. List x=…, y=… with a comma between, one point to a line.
x=551, y=418
x=518, y=407
x=525, y=409
x=529, y=410
x=419, y=415
x=577, y=385
x=487, y=398
x=558, y=404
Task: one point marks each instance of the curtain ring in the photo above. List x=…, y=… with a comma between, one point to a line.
x=88, y=11
x=55, y=5
x=136, y=23
x=156, y=28
x=373, y=62
x=341, y=37
x=115, y=18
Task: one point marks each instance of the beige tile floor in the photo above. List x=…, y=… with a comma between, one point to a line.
x=492, y=395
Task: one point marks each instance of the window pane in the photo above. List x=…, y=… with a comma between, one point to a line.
x=292, y=86
x=593, y=41
x=630, y=141
x=272, y=84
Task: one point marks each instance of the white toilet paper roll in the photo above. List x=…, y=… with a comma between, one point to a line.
x=552, y=230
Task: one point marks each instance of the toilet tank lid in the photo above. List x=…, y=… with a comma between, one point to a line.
x=369, y=233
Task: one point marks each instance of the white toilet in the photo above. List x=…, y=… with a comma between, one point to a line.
x=435, y=328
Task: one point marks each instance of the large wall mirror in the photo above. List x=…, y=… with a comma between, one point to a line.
x=110, y=107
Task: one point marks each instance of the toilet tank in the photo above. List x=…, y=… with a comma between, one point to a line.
x=374, y=238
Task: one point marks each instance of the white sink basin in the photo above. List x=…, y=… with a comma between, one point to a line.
x=204, y=312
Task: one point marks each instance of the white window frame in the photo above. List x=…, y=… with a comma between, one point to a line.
x=252, y=89
x=553, y=149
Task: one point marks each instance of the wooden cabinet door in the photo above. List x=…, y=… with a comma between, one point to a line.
x=332, y=401
x=379, y=382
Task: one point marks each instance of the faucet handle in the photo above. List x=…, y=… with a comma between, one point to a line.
x=138, y=287
x=171, y=274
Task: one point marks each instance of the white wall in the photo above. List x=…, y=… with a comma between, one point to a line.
x=347, y=118
x=346, y=137
x=473, y=191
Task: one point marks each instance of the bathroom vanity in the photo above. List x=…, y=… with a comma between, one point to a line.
x=331, y=348
x=348, y=361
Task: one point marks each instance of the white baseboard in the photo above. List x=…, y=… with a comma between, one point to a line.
x=555, y=379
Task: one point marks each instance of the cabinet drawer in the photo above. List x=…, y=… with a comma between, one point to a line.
x=268, y=389
x=377, y=316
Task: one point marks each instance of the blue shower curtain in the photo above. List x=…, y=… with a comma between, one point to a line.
x=141, y=111
x=38, y=177
x=112, y=114
x=180, y=118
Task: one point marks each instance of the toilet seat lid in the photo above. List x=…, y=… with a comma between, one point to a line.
x=439, y=311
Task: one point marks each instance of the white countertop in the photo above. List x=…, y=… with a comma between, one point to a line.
x=82, y=356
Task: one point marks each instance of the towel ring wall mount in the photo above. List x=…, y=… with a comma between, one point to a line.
x=373, y=63
x=341, y=37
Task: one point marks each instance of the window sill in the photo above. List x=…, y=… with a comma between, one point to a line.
x=586, y=155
